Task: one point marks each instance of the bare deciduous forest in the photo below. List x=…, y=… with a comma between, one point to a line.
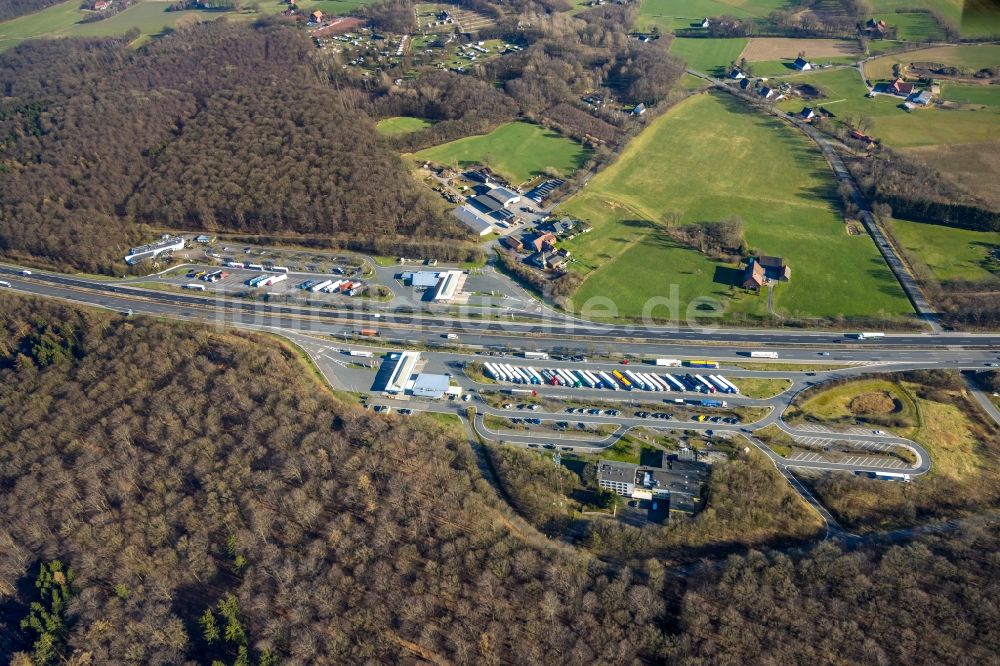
x=172, y=494
x=217, y=126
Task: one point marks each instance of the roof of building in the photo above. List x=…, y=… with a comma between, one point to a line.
x=754, y=274
x=504, y=195
x=771, y=262
x=422, y=278
x=541, y=239
x=618, y=472
x=486, y=203
x=430, y=386
x=807, y=112
x=800, y=62
x=448, y=286
x=924, y=97
x=474, y=220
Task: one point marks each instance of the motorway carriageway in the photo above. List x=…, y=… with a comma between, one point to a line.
x=485, y=332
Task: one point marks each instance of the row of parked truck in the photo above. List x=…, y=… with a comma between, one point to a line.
x=346, y=287
x=614, y=380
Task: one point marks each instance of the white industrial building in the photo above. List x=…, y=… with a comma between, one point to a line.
x=422, y=278
x=430, y=386
x=166, y=243
x=479, y=224
x=399, y=377
x=449, y=286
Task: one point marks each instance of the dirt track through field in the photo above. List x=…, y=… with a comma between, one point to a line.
x=781, y=48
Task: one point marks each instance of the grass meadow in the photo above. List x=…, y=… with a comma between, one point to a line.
x=401, y=125
x=518, y=151
x=710, y=158
x=951, y=254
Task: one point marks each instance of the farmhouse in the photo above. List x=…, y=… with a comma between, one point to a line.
x=807, y=114
x=802, y=64
x=545, y=241
x=766, y=92
x=900, y=87
x=875, y=28
x=736, y=74
x=762, y=270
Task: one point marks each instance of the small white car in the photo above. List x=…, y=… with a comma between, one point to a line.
x=880, y=433
x=25, y=272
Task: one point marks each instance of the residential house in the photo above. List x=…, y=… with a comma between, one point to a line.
x=923, y=98
x=639, y=109
x=807, y=114
x=753, y=276
x=737, y=75
x=317, y=16
x=762, y=270
x=765, y=92
x=101, y=5
x=802, y=64
x=745, y=83
x=900, y=87
x=545, y=241
x=546, y=260
x=875, y=28
x=705, y=23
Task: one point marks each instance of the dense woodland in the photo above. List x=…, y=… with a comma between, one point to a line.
x=220, y=126
x=173, y=494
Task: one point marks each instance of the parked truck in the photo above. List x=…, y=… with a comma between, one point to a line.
x=361, y=354
x=668, y=362
x=701, y=363
x=368, y=332
x=714, y=403
x=536, y=355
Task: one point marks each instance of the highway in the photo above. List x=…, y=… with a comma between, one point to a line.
x=326, y=333
x=550, y=333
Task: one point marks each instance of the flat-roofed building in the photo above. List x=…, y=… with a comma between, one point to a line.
x=617, y=476
x=399, y=376
x=449, y=286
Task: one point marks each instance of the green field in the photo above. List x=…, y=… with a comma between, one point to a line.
x=711, y=56
x=401, y=125
x=336, y=7
x=916, y=27
x=709, y=158
x=844, y=96
x=783, y=68
x=988, y=95
x=951, y=254
x=517, y=151
x=670, y=15
x=973, y=18
x=149, y=16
